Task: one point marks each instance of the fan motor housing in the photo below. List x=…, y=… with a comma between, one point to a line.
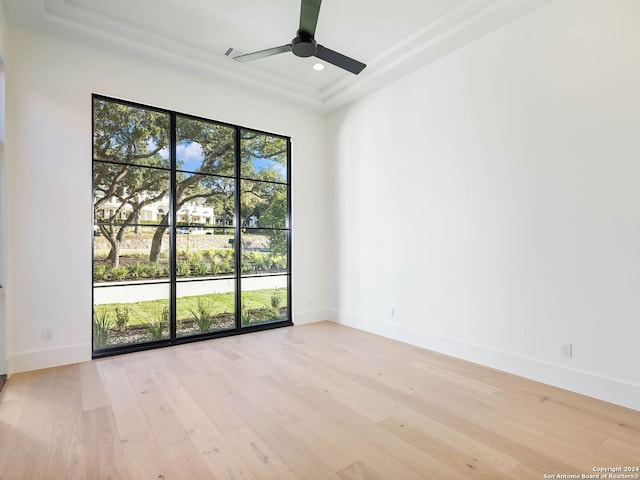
x=304, y=45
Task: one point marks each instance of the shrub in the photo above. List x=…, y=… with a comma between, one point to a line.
x=247, y=265
x=122, y=317
x=245, y=316
x=262, y=262
x=99, y=272
x=102, y=329
x=217, y=262
x=161, y=270
x=156, y=328
x=119, y=273
x=136, y=270
x=271, y=313
x=276, y=299
x=279, y=262
x=215, y=268
x=203, y=315
x=183, y=269
x=199, y=267
x=150, y=270
x=225, y=267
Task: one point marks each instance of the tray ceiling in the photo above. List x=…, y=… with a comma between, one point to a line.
x=392, y=38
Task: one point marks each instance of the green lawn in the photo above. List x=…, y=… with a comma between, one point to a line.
x=151, y=311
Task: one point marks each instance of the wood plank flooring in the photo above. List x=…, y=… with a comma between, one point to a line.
x=319, y=401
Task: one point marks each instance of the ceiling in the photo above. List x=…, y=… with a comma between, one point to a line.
x=392, y=37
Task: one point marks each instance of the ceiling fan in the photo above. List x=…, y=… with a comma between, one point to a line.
x=305, y=45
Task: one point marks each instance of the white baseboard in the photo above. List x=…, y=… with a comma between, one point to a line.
x=312, y=316
x=51, y=357
x=620, y=392
x=54, y=357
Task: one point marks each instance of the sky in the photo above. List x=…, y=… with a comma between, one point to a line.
x=191, y=155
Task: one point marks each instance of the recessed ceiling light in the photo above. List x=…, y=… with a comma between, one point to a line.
x=318, y=66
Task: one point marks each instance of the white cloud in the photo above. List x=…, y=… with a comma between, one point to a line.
x=191, y=151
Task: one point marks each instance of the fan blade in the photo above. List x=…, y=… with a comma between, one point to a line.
x=309, y=11
x=339, y=60
x=247, y=57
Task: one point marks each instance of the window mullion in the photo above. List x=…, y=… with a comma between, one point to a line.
x=237, y=243
x=173, y=201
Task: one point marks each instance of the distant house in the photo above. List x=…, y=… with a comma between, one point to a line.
x=192, y=212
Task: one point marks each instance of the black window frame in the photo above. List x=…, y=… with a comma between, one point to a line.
x=238, y=229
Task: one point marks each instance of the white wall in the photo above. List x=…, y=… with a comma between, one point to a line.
x=3, y=229
x=492, y=201
x=49, y=86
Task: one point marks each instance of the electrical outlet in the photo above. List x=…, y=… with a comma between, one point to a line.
x=47, y=335
x=565, y=350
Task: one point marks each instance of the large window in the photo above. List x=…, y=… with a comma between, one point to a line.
x=191, y=233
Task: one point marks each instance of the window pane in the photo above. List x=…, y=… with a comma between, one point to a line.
x=263, y=157
x=133, y=195
x=135, y=253
x=205, y=306
x=264, y=252
x=126, y=134
x=204, y=147
x=130, y=314
x=205, y=200
x=263, y=205
x=264, y=300
x=201, y=255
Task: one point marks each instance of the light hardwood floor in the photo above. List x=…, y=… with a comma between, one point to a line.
x=319, y=401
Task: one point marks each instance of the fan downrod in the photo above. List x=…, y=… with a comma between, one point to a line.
x=304, y=45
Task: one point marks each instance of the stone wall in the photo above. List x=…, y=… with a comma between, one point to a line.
x=142, y=243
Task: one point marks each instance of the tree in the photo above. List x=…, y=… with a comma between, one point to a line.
x=266, y=197
x=276, y=215
x=131, y=171
x=128, y=166
x=210, y=181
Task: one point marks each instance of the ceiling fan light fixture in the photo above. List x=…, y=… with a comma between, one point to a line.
x=318, y=67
